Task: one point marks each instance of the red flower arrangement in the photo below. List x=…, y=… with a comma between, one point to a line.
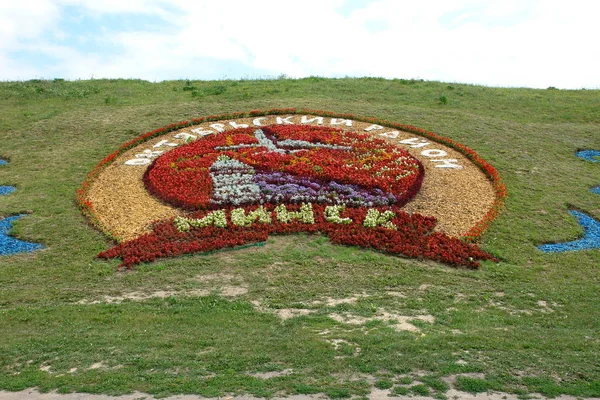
x=302, y=157
x=408, y=235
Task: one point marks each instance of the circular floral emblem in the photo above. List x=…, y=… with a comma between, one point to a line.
x=285, y=164
x=226, y=181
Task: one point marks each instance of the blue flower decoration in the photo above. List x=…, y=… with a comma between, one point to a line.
x=591, y=227
x=10, y=245
x=6, y=190
x=589, y=155
x=590, y=239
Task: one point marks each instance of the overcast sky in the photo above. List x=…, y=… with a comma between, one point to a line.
x=525, y=43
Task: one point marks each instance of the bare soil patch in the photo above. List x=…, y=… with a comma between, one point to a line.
x=398, y=322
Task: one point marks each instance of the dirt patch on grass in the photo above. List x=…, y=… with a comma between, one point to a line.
x=332, y=302
x=97, y=365
x=222, y=284
x=451, y=379
x=398, y=322
x=45, y=368
x=396, y=294
x=349, y=349
x=233, y=291
x=225, y=290
x=215, y=277
x=282, y=313
x=288, y=313
x=544, y=307
x=424, y=287
x=141, y=296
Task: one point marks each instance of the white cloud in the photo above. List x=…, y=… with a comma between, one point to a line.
x=15, y=71
x=156, y=7
x=534, y=43
x=25, y=20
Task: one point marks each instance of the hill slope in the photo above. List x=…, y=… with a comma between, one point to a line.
x=212, y=324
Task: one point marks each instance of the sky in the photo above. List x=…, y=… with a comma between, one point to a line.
x=509, y=43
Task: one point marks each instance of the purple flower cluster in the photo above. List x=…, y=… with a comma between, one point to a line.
x=276, y=187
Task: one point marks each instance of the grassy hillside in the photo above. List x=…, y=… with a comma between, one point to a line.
x=530, y=323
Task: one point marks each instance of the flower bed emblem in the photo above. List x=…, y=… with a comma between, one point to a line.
x=226, y=181
x=284, y=164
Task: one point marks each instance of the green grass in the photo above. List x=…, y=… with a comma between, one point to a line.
x=384, y=384
x=473, y=385
x=487, y=321
x=400, y=391
x=420, y=390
